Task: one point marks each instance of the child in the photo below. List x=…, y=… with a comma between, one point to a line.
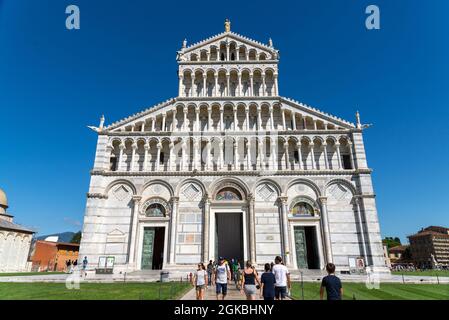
x=332, y=284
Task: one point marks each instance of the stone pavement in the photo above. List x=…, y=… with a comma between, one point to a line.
x=233, y=294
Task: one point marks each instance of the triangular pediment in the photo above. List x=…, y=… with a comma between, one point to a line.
x=289, y=104
x=231, y=37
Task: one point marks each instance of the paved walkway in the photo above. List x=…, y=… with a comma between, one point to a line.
x=233, y=294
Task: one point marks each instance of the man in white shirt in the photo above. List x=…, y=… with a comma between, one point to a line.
x=282, y=279
x=222, y=274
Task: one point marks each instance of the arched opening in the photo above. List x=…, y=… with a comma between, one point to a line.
x=155, y=210
x=228, y=194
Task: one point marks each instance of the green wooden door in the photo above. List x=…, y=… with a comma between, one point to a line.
x=301, y=248
x=147, y=248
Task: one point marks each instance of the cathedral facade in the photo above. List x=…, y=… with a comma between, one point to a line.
x=231, y=168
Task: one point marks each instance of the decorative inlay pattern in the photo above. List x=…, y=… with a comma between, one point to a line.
x=266, y=192
x=121, y=193
x=191, y=191
x=338, y=191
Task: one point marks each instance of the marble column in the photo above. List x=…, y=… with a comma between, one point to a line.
x=153, y=124
x=158, y=158
x=183, y=156
x=120, y=157
x=252, y=229
x=239, y=92
x=263, y=85
x=286, y=155
x=259, y=119
x=216, y=85
x=294, y=120
x=228, y=88
x=172, y=163
x=184, y=124
x=284, y=125
x=276, y=88
x=337, y=149
x=326, y=230
x=221, y=155
x=175, y=121
x=164, y=115
x=247, y=118
x=285, y=231
x=209, y=118
x=351, y=154
x=133, y=236
x=133, y=156
x=197, y=115
x=273, y=155
x=298, y=146
x=221, y=118
x=271, y=118
x=312, y=155
x=207, y=160
x=204, y=85
x=236, y=154
x=235, y=119
x=206, y=228
x=251, y=92
x=145, y=157
x=326, y=160
x=173, y=224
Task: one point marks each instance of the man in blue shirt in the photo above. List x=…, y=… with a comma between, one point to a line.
x=332, y=284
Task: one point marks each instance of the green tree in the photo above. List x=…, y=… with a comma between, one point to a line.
x=76, y=237
x=391, y=242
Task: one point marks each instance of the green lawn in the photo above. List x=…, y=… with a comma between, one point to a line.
x=9, y=274
x=387, y=291
x=432, y=273
x=93, y=291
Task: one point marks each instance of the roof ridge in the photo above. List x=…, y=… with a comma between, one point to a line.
x=318, y=110
x=138, y=114
x=198, y=43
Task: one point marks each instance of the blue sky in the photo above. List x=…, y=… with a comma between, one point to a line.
x=54, y=82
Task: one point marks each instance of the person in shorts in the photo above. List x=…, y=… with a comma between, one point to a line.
x=267, y=281
x=282, y=277
x=221, y=276
x=332, y=284
x=249, y=280
x=199, y=281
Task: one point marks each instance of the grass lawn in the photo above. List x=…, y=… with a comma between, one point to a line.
x=387, y=291
x=432, y=273
x=93, y=291
x=10, y=274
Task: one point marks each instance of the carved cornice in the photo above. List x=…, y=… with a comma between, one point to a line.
x=256, y=173
x=97, y=195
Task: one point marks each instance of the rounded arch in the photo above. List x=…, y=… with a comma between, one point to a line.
x=303, y=206
x=230, y=182
x=158, y=181
x=118, y=182
x=271, y=182
x=190, y=180
x=160, y=206
x=305, y=181
x=344, y=182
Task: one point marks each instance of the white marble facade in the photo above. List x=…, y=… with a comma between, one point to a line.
x=280, y=165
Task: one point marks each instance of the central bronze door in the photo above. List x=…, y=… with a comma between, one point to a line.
x=229, y=236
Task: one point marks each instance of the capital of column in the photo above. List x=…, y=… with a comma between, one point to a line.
x=159, y=145
x=283, y=199
x=134, y=146
x=136, y=198
x=174, y=199
x=323, y=200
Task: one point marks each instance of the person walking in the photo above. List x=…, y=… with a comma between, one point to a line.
x=210, y=271
x=267, y=282
x=236, y=273
x=332, y=284
x=249, y=280
x=85, y=263
x=221, y=276
x=199, y=281
x=282, y=277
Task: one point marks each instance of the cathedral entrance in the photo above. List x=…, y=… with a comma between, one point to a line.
x=229, y=236
x=306, y=247
x=153, y=248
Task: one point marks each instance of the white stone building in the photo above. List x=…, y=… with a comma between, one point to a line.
x=231, y=168
x=15, y=241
